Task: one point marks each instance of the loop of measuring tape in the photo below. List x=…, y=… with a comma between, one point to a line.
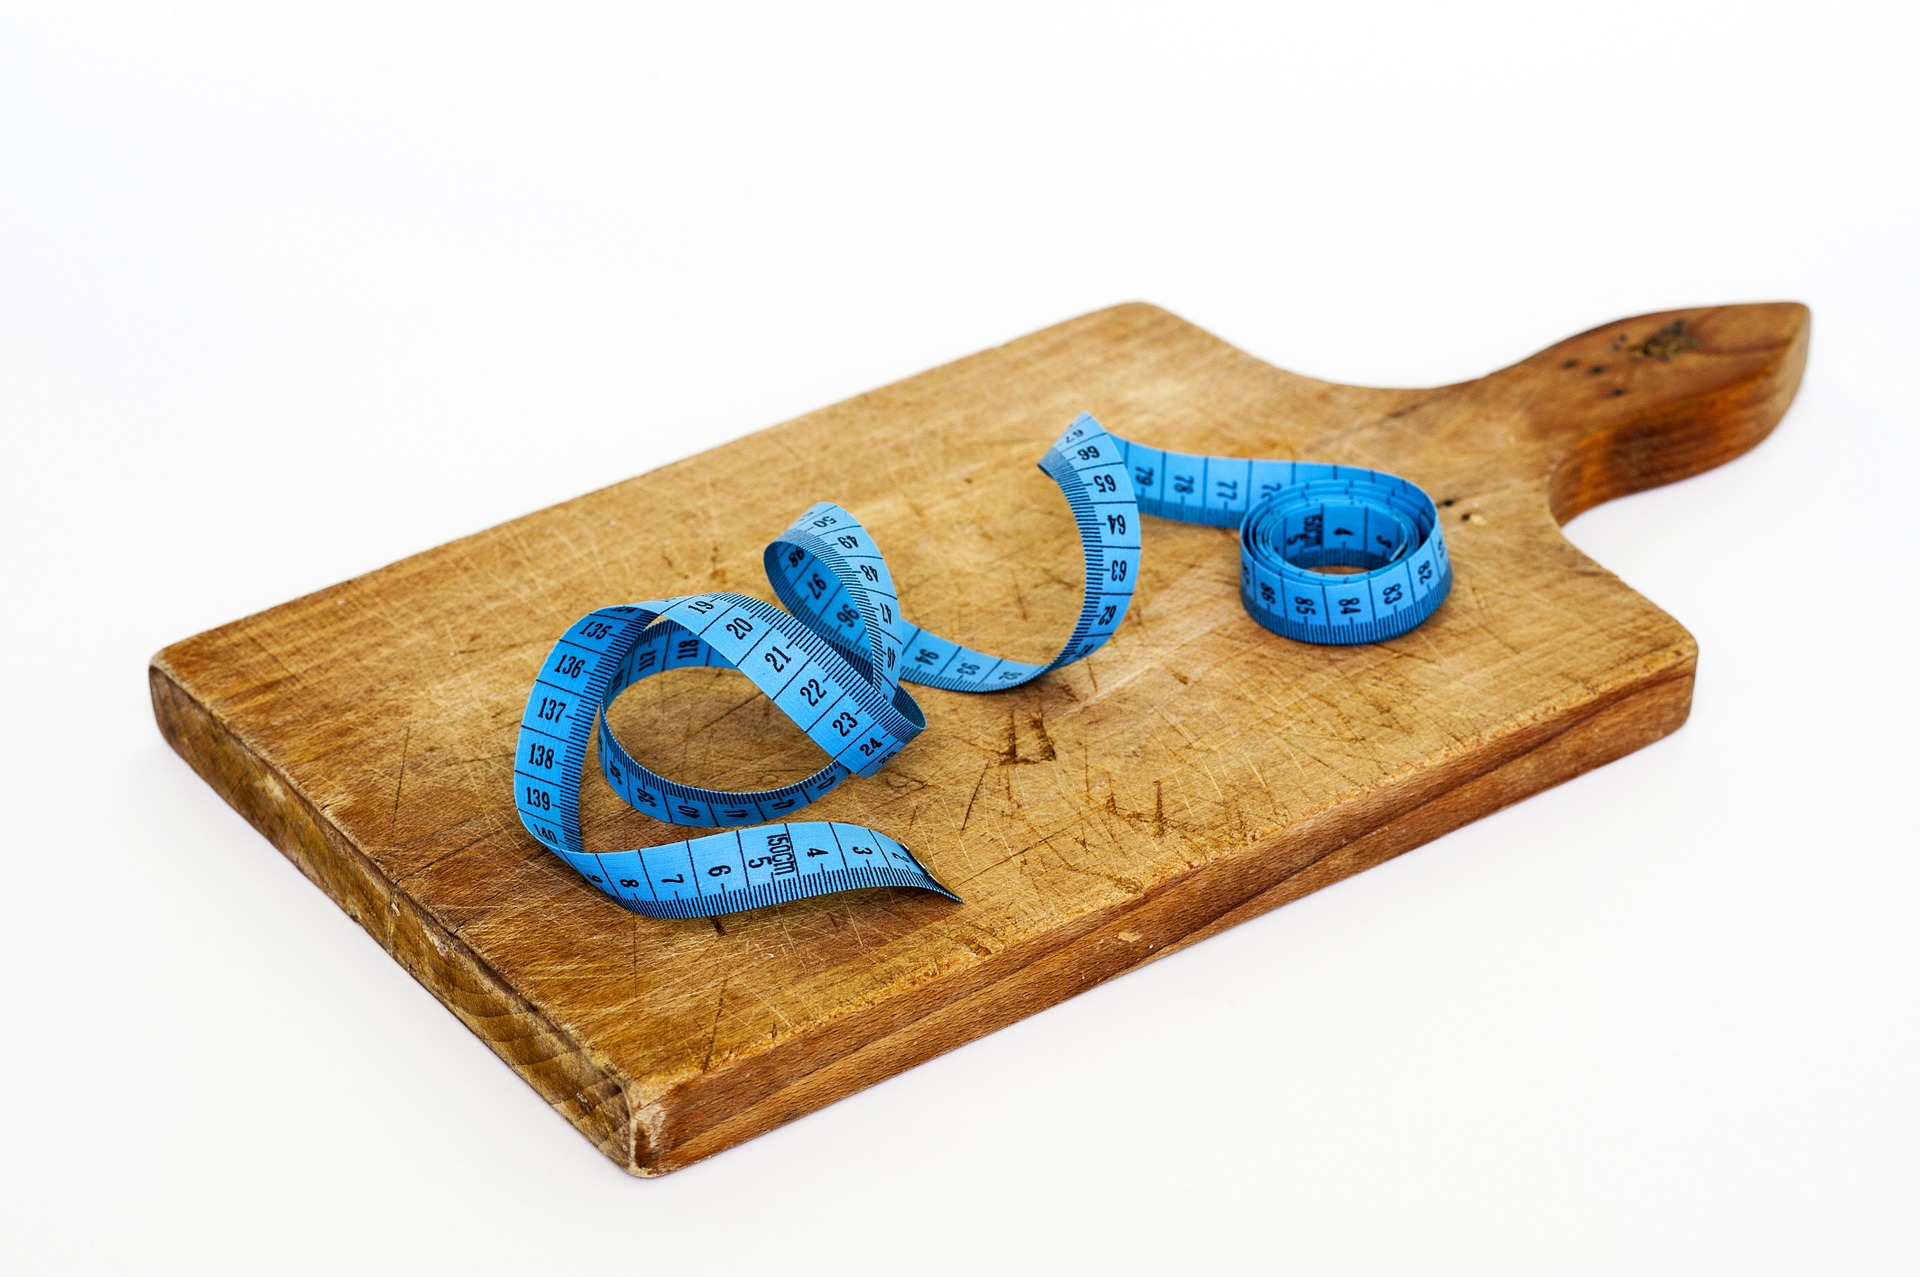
x=1298, y=516
x=834, y=660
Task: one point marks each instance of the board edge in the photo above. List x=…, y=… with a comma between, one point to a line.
x=584, y=1090
x=1542, y=754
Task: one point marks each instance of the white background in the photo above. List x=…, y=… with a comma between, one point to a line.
x=288, y=293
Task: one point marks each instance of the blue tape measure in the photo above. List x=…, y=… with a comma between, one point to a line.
x=835, y=657
x=1296, y=517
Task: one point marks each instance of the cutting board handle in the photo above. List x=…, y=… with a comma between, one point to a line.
x=1645, y=401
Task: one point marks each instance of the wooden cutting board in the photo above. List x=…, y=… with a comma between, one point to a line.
x=1195, y=772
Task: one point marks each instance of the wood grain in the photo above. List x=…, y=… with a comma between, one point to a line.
x=1195, y=772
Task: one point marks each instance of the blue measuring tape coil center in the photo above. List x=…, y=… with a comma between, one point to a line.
x=834, y=659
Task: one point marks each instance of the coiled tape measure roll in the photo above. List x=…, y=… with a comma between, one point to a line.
x=835, y=658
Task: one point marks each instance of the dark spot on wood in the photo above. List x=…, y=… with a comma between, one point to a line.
x=1571, y=363
x=1673, y=339
x=1618, y=391
x=1596, y=370
x=1465, y=516
x=1448, y=501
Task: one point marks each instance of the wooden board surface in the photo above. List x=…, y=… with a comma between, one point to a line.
x=1195, y=772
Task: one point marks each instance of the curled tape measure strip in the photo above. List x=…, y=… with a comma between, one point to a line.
x=835, y=659
x=1297, y=516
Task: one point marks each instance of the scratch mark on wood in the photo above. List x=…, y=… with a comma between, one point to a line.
x=453, y=851
x=977, y=782
x=713, y=1030
x=406, y=743
x=1038, y=721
